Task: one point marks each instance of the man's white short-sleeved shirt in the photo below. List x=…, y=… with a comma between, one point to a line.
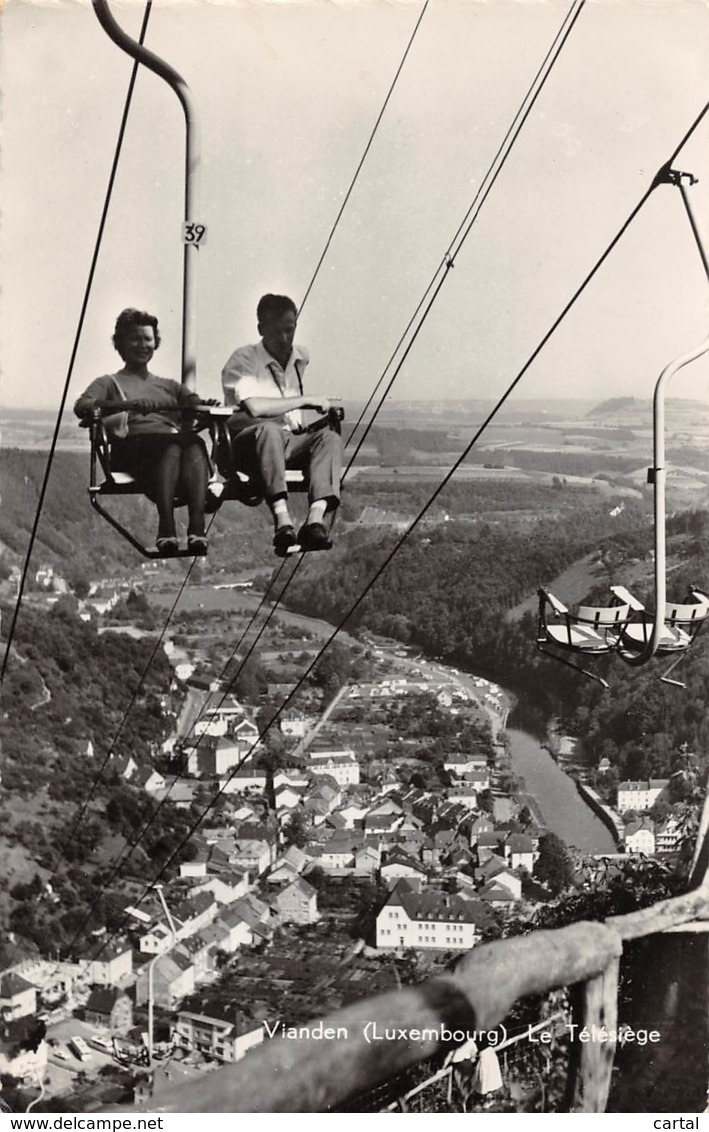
x=252, y=372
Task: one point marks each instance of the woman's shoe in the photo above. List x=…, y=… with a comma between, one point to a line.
x=168, y=547
x=285, y=541
x=197, y=545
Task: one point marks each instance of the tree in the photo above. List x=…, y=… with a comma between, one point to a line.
x=554, y=866
x=295, y=830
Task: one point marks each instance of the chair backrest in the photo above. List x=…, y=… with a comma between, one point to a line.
x=602, y=615
x=688, y=615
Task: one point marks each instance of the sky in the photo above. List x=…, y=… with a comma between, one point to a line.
x=288, y=93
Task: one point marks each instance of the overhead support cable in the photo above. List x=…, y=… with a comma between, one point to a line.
x=75, y=347
x=362, y=160
x=466, y=224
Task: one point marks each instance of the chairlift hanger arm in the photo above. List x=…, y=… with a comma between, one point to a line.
x=657, y=474
x=192, y=162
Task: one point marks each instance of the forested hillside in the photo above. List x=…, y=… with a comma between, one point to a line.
x=66, y=687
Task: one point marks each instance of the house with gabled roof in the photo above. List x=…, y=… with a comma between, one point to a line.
x=354, y=814
x=238, y=929
x=367, y=860
x=461, y=763
x=339, y=851
x=382, y=823
x=113, y=964
x=288, y=866
x=195, y=912
x=179, y=791
x=640, y=836
x=429, y=920
x=344, y=768
x=18, y=998
x=483, y=823
x=251, y=855
x=125, y=766
x=149, y=779
x=173, y=979
x=497, y=895
x=464, y=793
x=519, y=849
x=477, y=779
x=110, y=1007
x=252, y=910
x=201, y=950
x=217, y=755
x=490, y=842
x=389, y=805
x=158, y=938
x=400, y=864
x=297, y=903
x=215, y=937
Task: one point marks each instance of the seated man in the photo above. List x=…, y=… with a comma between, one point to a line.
x=265, y=384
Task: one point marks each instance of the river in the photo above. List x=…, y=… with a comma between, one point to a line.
x=556, y=798
x=562, y=808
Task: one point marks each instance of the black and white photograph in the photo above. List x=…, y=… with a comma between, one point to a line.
x=354, y=559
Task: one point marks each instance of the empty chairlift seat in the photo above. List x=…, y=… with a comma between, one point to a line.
x=589, y=630
x=681, y=625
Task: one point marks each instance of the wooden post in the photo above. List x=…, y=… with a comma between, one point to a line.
x=595, y=1015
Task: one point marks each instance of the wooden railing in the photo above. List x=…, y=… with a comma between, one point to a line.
x=318, y=1074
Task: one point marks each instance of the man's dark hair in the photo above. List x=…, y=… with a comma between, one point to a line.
x=273, y=306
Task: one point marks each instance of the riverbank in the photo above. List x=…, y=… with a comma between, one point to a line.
x=549, y=792
x=609, y=817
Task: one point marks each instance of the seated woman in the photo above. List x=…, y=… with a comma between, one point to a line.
x=161, y=450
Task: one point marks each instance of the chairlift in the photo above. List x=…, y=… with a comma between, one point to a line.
x=235, y=482
x=625, y=628
x=591, y=630
x=106, y=480
x=231, y=482
x=681, y=625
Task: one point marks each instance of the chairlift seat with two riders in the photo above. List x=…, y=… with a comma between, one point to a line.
x=228, y=480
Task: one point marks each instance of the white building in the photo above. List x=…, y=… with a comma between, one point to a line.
x=640, y=795
x=429, y=920
x=640, y=836
x=226, y=1041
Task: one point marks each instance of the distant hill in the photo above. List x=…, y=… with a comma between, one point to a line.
x=613, y=405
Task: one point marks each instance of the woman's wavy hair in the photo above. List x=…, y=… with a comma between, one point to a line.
x=128, y=319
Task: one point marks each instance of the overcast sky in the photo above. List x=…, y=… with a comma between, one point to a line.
x=288, y=93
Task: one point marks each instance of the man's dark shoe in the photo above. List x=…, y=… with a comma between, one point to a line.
x=285, y=541
x=314, y=536
x=167, y=547
x=197, y=545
